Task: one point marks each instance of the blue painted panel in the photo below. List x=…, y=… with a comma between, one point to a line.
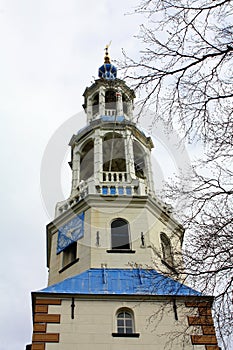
x=120, y=118
x=121, y=282
x=113, y=190
x=120, y=190
x=106, y=118
x=71, y=232
x=104, y=190
x=128, y=191
x=112, y=118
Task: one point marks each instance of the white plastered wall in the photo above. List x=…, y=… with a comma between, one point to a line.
x=98, y=219
x=94, y=322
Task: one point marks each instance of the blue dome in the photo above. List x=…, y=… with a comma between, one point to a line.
x=108, y=71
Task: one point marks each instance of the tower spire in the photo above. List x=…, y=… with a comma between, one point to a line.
x=107, y=70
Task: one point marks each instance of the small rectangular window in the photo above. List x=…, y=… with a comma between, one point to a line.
x=69, y=254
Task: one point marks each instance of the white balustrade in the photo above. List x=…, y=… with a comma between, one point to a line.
x=113, y=184
x=113, y=176
x=69, y=203
x=110, y=112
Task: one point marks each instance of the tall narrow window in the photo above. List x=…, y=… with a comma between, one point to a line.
x=125, y=322
x=120, y=234
x=166, y=249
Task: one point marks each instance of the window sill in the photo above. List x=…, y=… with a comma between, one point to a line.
x=125, y=251
x=126, y=335
x=68, y=265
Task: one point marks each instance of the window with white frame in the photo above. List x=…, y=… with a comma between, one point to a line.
x=125, y=322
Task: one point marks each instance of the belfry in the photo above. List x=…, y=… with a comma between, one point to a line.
x=113, y=247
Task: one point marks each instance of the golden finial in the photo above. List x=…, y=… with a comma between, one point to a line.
x=106, y=57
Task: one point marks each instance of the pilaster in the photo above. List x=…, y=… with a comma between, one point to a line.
x=89, y=109
x=75, y=168
x=130, y=109
x=149, y=172
x=119, y=105
x=98, y=157
x=129, y=156
x=102, y=100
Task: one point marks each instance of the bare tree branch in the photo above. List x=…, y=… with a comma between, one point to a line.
x=185, y=73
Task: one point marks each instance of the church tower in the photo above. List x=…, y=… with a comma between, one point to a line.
x=113, y=247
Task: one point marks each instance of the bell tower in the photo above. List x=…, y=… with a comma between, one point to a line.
x=113, y=247
x=112, y=216
x=111, y=155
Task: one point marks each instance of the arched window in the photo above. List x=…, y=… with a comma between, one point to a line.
x=166, y=249
x=120, y=234
x=125, y=322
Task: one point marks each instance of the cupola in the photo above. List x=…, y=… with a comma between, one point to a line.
x=107, y=70
x=109, y=98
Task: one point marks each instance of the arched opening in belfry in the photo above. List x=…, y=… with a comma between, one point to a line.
x=139, y=160
x=125, y=102
x=114, y=153
x=110, y=100
x=87, y=161
x=95, y=104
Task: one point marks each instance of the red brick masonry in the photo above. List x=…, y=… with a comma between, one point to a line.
x=205, y=320
x=41, y=318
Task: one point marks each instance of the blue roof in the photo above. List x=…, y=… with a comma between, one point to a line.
x=121, y=282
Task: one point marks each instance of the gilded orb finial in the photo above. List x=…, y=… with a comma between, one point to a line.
x=106, y=57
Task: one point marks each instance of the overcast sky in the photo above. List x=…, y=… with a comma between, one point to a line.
x=50, y=52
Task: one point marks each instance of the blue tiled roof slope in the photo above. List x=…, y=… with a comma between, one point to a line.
x=121, y=282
